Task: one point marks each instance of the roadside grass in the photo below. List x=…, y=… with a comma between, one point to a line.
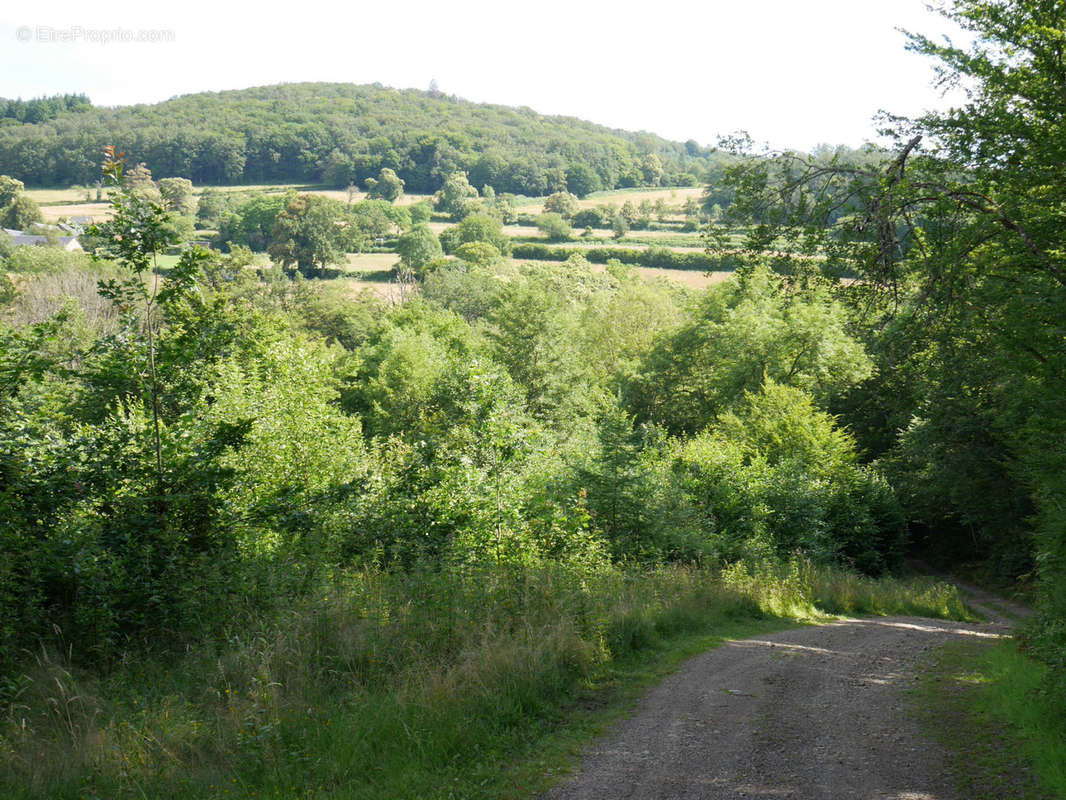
x=427, y=685
x=983, y=703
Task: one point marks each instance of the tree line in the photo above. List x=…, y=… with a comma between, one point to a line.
x=41, y=109
x=341, y=134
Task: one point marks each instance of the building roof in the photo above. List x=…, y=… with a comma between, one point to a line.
x=18, y=238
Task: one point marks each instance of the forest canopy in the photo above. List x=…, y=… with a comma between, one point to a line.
x=341, y=134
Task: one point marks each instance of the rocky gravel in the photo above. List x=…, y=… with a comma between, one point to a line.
x=810, y=713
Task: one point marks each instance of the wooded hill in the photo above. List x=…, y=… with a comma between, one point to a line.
x=342, y=133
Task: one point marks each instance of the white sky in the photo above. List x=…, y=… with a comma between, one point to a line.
x=793, y=73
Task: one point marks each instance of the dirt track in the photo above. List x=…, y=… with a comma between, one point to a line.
x=813, y=713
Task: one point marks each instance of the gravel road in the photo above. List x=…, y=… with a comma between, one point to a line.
x=811, y=713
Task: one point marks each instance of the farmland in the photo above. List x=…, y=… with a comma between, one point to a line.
x=469, y=421
x=60, y=204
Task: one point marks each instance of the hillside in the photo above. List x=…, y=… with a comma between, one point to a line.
x=343, y=133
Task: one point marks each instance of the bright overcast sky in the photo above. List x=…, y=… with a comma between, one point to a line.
x=794, y=73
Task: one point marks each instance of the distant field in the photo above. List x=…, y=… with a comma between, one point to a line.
x=98, y=211
x=693, y=279
x=377, y=263
x=672, y=195
x=342, y=195
x=371, y=262
x=623, y=244
x=47, y=196
x=56, y=203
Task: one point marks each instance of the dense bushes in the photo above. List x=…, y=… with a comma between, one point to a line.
x=220, y=437
x=777, y=476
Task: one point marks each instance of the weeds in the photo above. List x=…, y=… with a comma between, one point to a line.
x=385, y=685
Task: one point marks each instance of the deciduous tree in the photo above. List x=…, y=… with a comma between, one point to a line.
x=387, y=186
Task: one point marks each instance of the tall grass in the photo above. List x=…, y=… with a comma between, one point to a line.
x=382, y=685
x=801, y=589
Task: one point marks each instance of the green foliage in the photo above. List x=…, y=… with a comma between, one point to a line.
x=418, y=247
x=582, y=181
x=476, y=228
x=8, y=292
x=778, y=476
x=177, y=195
x=376, y=219
x=40, y=109
x=744, y=332
x=958, y=240
x=251, y=223
x=562, y=203
x=20, y=213
x=387, y=186
x=48, y=260
x=478, y=254
x=470, y=292
x=303, y=133
x=309, y=235
x=590, y=218
x=421, y=212
x=457, y=198
x=10, y=188
x=533, y=334
x=658, y=258
x=554, y=226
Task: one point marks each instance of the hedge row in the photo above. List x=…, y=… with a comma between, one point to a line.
x=658, y=257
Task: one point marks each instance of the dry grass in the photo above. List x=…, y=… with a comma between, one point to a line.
x=42, y=296
x=98, y=211
x=371, y=262
x=686, y=277
x=388, y=291
x=692, y=279
x=354, y=285
x=49, y=196
x=342, y=195
x=265, y=188
x=672, y=195
x=433, y=684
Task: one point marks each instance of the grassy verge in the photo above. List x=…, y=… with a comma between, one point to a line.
x=428, y=685
x=987, y=697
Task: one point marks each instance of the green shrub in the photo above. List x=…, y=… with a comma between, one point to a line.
x=48, y=260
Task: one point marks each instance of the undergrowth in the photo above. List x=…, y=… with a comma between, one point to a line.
x=390, y=685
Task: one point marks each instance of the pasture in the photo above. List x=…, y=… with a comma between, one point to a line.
x=673, y=195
